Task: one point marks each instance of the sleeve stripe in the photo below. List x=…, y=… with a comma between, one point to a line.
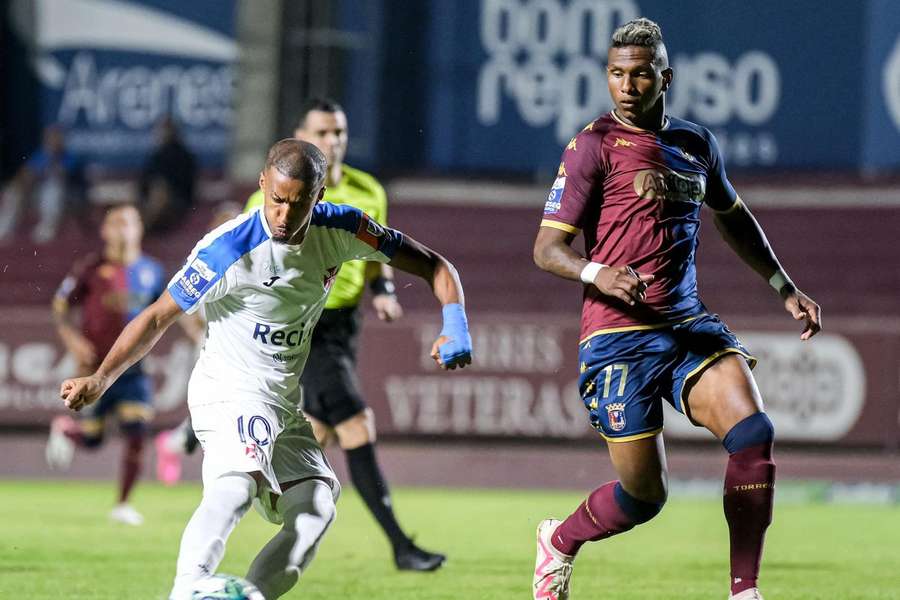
x=561, y=226
x=213, y=256
x=735, y=205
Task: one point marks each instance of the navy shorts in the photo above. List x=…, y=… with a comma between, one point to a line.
x=625, y=375
x=129, y=398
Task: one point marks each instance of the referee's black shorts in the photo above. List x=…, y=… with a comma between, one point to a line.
x=331, y=391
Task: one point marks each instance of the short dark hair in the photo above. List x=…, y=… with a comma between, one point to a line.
x=319, y=103
x=298, y=160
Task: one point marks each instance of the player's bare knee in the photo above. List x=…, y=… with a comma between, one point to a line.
x=724, y=395
x=654, y=490
x=322, y=432
x=356, y=431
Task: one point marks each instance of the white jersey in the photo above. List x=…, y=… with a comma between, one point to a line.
x=262, y=298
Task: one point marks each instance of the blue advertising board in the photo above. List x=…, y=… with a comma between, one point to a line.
x=109, y=70
x=784, y=85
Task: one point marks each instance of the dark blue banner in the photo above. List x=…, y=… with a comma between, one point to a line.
x=784, y=85
x=110, y=70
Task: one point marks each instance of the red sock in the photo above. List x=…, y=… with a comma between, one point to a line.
x=131, y=465
x=598, y=517
x=749, y=493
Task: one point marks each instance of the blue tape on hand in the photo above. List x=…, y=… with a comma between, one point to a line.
x=456, y=329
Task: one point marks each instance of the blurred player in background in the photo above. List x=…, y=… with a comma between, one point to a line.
x=633, y=182
x=172, y=444
x=331, y=392
x=110, y=288
x=51, y=183
x=263, y=279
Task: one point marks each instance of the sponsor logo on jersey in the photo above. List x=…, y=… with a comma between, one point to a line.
x=271, y=281
x=203, y=269
x=195, y=280
x=279, y=337
x=554, y=200
x=622, y=142
x=616, y=414
x=670, y=186
x=284, y=358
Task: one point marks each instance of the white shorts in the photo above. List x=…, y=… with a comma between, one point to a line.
x=242, y=433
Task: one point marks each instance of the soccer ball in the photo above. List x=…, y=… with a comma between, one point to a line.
x=225, y=587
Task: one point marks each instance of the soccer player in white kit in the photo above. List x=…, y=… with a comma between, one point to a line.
x=263, y=279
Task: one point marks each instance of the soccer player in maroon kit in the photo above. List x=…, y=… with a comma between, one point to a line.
x=111, y=288
x=633, y=182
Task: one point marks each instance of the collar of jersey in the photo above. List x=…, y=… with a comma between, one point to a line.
x=619, y=120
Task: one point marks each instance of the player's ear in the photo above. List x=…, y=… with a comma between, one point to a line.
x=321, y=195
x=262, y=181
x=667, y=76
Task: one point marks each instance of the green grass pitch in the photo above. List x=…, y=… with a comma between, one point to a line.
x=56, y=542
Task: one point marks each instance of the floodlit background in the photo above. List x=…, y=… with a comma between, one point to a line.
x=462, y=109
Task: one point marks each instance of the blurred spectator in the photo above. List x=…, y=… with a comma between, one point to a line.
x=167, y=180
x=50, y=180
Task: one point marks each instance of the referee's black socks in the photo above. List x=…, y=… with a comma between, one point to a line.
x=369, y=482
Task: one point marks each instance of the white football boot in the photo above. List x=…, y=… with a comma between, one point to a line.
x=750, y=594
x=60, y=449
x=552, y=569
x=126, y=514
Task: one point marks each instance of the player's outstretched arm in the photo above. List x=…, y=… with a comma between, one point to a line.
x=553, y=253
x=745, y=236
x=453, y=348
x=138, y=337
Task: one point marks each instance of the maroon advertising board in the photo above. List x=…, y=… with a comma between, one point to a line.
x=843, y=387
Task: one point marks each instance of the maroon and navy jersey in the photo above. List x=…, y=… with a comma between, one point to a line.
x=636, y=194
x=110, y=294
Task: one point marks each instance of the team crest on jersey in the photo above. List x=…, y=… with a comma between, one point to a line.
x=554, y=200
x=616, y=415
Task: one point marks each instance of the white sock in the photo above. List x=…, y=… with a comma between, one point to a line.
x=224, y=502
x=308, y=510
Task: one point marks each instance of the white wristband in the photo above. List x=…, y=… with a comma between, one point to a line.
x=779, y=280
x=589, y=272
